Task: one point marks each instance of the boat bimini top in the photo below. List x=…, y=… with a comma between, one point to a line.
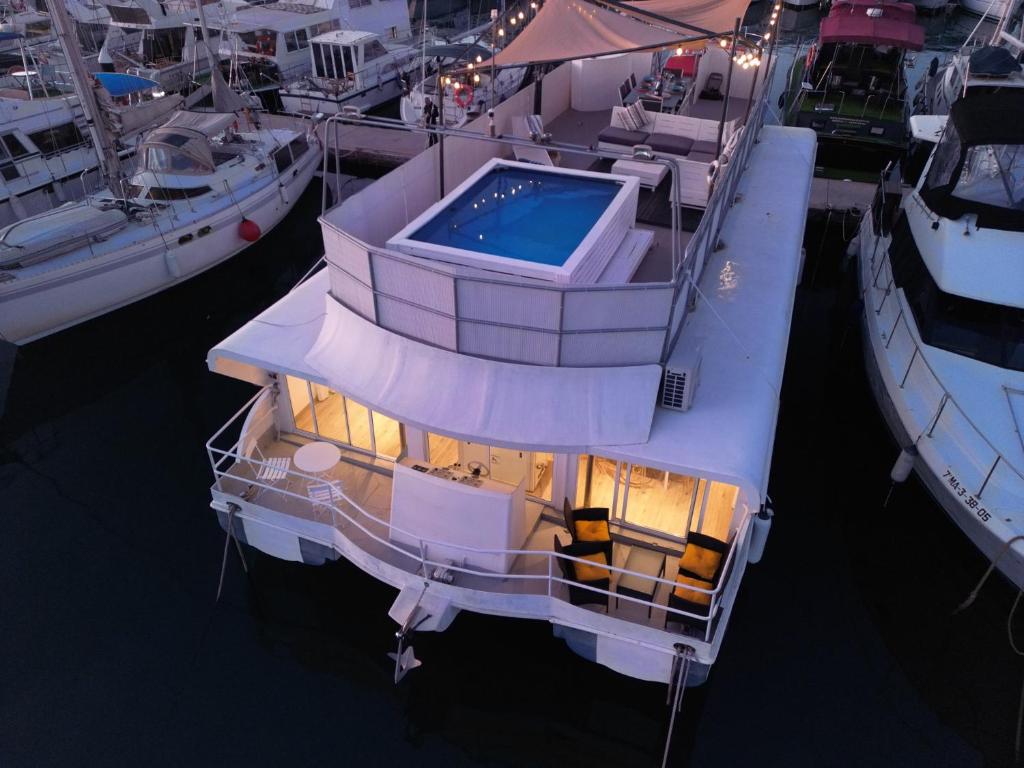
x=181, y=146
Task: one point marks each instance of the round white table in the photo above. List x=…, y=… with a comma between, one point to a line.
x=317, y=457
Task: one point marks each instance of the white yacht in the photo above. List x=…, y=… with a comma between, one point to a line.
x=270, y=43
x=466, y=96
x=983, y=64
x=521, y=389
x=154, y=41
x=943, y=288
x=204, y=191
x=349, y=69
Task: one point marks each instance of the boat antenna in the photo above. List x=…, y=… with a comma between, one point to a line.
x=110, y=163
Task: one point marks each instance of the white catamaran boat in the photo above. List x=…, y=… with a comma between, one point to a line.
x=461, y=101
x=350, y=69
x=513, y=390
x=943, y=287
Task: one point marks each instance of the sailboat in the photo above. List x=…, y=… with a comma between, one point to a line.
x=207, y=186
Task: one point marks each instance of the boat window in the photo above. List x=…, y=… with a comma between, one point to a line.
x=159, y=45
x=993, y=174
x=359, y=3
x=167, y=160
x=14, y=146
x=373, y=50
x=260, y=41
x=991, y=333
x=339, y=66
x=947, y=155
x=298, y=146
x=321, y=411
x=121, y=14
x=175, y=193
x=134, y=191
x=59, y=138
x=282, y=159
x=325, y=26
x=318, y=62
x=296, y=41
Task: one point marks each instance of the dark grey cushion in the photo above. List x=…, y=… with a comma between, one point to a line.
x=704, y=147
x=700, y=157
x=613, y=135
x=669, y=144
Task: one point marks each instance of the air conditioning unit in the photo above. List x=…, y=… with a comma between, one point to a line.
x=679, y=380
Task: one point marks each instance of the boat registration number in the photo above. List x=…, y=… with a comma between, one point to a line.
x=968, y=499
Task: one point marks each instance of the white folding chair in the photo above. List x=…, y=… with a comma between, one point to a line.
x=268, y=470
x=322, y=495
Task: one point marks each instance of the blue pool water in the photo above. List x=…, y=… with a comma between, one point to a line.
x=522, y=214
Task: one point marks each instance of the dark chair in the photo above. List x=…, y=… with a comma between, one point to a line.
x=632, y=80
x=624, y=91
x=588, y=525
x=652, y=103
x=700, y=566
x=712, y=87
x=596, y=575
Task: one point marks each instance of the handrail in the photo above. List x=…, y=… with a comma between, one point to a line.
x=372, y=519
x=947, y=396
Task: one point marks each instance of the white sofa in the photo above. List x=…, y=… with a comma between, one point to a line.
x=691, y=141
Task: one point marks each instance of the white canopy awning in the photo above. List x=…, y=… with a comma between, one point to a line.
x=577, y=29
x=505, y=404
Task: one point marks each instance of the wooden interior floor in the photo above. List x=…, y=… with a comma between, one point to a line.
x=444, y=451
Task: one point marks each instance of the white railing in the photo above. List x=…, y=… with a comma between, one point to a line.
x=946, y=415
x=347, y=512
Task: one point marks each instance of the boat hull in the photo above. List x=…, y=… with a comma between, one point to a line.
x=95, y=287
x=888, y=395
x=309, y=102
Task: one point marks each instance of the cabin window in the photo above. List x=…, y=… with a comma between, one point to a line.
x=121, y=14
x=14, y=146
x=339, y=65
x=298, y=147
x=359, y=3
x=296, y=41
x=134, y=191
x=318, y=62
x=175, y=193
x=325, y=26
x=991, y=333
x=163, y=44
x=373, y=50
x=993, y=174
x=166, y=160
x=60, y=138
x=282, y=159
x=260, y=41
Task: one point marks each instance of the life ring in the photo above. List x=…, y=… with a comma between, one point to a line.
x=464, y=96
x=809, y=61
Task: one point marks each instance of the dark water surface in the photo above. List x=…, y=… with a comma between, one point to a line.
x=842, y=649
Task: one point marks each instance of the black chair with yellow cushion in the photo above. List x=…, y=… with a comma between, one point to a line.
x=700, y=566
x=594, y=573
x=588, y=525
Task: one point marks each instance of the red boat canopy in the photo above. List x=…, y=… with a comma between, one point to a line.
x=872, y=23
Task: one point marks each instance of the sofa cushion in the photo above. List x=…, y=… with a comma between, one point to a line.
x=706, y=147
x=700, y=157
x=670, y=144
x=613, y=135
x=587, y=572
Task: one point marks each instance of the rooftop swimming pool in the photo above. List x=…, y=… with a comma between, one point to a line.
x=522, y=214
x=530, y=220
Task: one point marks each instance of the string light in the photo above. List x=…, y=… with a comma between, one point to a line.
x=501, y=33
x=724, y=43
x=679, y=51
x=533, y=6
x=512, y=21
x=479, y=59
x=470, y=65
x=521, y=15
x=476, y=78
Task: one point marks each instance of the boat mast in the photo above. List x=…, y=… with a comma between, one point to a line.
x=110, y=163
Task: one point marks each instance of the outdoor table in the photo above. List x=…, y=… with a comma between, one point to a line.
x=317, y=457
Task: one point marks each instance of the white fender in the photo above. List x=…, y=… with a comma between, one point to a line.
x=285, y=194
x=171, y=260
x=713, y=167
